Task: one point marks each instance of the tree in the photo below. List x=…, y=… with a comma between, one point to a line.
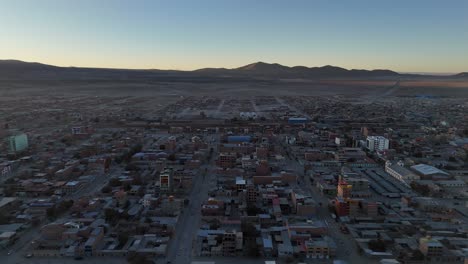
x=131, y=167
x=171, y=157
x=4, y=219
x=123, y=238
x=65, y=205
x=110, y=215
x=114, y=182
x=420, y=188
x=417, y=255
x=51, y=212
x=377, y=245
x=215, y=224
x=137, y=180
x=253, y=210
x=106, y=189
x=249, y=230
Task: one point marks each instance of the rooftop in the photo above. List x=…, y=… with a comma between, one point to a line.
x=427, y=169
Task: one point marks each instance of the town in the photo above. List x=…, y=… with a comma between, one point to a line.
x=254, y=179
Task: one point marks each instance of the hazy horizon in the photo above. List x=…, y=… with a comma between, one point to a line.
x=401, y=36
x=221, y=67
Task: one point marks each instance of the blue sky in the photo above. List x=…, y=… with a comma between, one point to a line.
x=412, y=36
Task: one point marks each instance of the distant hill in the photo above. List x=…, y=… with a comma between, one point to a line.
x=275, y=70
x=19, y=70
x=461, y=75
x=16, y=67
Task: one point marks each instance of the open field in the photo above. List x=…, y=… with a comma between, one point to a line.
x=455, y=88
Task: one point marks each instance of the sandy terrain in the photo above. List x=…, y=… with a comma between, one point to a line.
x=241, y=88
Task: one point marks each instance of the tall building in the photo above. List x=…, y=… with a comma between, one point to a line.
x=344, y=189
x=165, y=180
x=18, y=142
x=227, y=160
x=377, y=143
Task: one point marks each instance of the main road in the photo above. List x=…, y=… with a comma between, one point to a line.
x=346, y=248
x=181, y=245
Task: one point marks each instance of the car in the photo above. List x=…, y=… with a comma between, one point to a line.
x=10, y=252
x=29, y=255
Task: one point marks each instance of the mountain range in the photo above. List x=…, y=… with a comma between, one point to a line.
x=20, y=70
x=262, y=69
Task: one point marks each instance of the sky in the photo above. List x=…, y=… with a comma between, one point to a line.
x=401, y=35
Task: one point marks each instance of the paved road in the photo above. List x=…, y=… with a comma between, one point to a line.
x=297, y=110
x=379, y=95
x=347, y=250
x=181, y=245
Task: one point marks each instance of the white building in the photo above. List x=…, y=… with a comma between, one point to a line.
x=248, y=115
x=18, y=142
x=377, y=143
x=400, y=173
x=340, y=141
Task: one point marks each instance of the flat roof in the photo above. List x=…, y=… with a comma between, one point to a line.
x=6, y=200
x=427, y=169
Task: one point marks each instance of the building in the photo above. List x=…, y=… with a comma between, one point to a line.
x=430, y=247
x=349, y=154
x=240, y=184
x=400, y=173
x=371, y=208
x=18, y=142
x=341, y=206
x=344, y=189
x=5, y=168
x=428, y=172
x=451, y=184
x=71, y=186
x=320, y=248
x=238, y=139
x=297, y=120
x=248, y=115
x=302, y=205
x=165, y=180
x=358, y=185
x=377, y=143
x=171, y=144
x=252, y=193
x=227, y=160
x=220, y=243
